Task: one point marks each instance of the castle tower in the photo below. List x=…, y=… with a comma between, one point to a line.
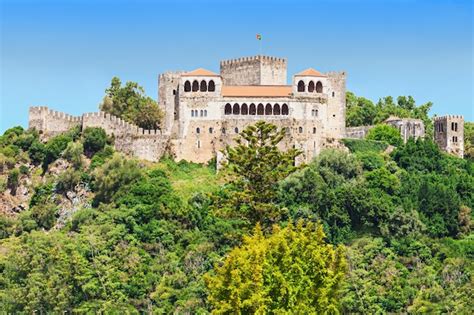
x=257, y=70
x=449, y=134
x=168, y=96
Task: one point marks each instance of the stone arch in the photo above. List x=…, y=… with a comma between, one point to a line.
x=228, y=109
x=268, y=109
x=260, y=110
x=236, y=109
x=187, y=86
x=319, y=87
x=276, y=109
x=244, y=110
x=311, y=86
x=211, y=87
x=284, y=109
x=203, y=86
x=195, y=86
x=252, y=109
x=202, y=113
x=301, y=86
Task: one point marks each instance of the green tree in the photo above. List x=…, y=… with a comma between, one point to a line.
x=292, y=270
x=73, y=153
x=131, y=104
x=13, y=180
x=360, y=111
x=469, y=140
x=386, y=133
x=94, y=140
x=256, y=165
x=116, y=174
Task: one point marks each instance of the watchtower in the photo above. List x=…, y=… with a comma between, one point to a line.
x=449, y=134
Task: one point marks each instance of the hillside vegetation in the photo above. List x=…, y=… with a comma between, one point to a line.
x=382, y=228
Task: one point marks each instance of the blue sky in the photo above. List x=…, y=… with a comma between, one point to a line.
x=63, y=54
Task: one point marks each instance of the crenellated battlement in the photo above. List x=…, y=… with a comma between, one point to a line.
x=439, y=118
x=238, y=61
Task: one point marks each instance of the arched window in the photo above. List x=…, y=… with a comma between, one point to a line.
x=268, y=109
x=211, y=130
x=311, y=86
x=314, y=129
x=252, y=109
x=236, y=130
x=260, y=109
x=301, y=86
x=202, y=113
x=236, y=109
x=333, y=94
x=205, y=113
x=228, y=109
x=211, y=87
x=198, y=130
x=284, y=109
x=195, y=86
x=276, y=109
x=223, y=131
x=199, y=144
x=300, y=129
x=319, y=87
x=187, y=86
x=192, y=113
x=244, y=110
x=203, y=86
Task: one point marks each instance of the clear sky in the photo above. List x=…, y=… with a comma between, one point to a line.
x=63, y=54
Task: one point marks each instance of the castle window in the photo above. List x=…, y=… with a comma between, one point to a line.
x=455, y=126
x=198, y=130
x=311, y=86
x=314, y=129
x=211, y=86
x=455, y=139
x=211, y=130
x=202, y=113
x=284, y=109
x=333, y=94
x=301, y=86
x=319, y=87
x=192, y=113
x=203, y=86
x=198, y=144
x=244, y=110
x=174, y=92
x=316, y=112
x=205, y=113
x=223, y=131
x=228, y=109
x=276, y=109
x=260, y=109
x=187, y=86
x=252, y=109
x=236, y=109
x=268, y=109
x=195, y=86
x=300, y=129
x=236, y=130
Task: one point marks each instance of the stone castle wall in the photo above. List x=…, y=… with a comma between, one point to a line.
x=128, y=138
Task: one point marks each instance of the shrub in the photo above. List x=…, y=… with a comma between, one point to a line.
x=73, y=153
x=13, y=180
x=94, y=140
x=364, y=145
x=386, y=133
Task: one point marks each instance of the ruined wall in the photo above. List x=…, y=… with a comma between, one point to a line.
x=359, y=132
x=449, y=134
x=409, y=128
x=50, y=122
x=257, y=70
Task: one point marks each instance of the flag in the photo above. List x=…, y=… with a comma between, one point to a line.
x=259, y=37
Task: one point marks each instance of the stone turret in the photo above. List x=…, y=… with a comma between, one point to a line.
x=449, y=134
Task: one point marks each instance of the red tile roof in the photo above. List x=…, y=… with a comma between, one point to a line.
x=200, y=72
x=310, y=72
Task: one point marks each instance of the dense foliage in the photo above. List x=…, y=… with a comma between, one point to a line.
x=363, y=112
x=100, y=232
x=130, y=103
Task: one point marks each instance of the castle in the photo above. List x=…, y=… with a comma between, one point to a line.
x=205, y=111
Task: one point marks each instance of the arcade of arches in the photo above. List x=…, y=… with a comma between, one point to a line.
x=202, y=86
x=318, y=87
x=253, y=109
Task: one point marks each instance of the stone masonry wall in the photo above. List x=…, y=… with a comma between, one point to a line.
x=449, y=134
x=257, y=70
x=128, y=138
